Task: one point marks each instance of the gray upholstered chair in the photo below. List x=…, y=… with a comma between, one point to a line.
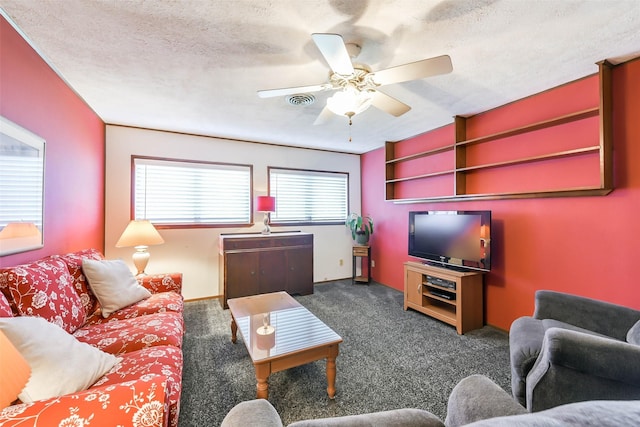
x=476, y=401
x=574, y=349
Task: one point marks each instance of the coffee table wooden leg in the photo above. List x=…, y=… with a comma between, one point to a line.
x=262, y=376
x=331, y=371
x=234, y=331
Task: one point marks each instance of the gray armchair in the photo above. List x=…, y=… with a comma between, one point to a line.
x=574, y=349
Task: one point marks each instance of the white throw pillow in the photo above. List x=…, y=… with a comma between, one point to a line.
x=113, y=284
x=60, y=364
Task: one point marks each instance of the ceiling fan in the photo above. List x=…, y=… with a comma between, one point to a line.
x=356, y=85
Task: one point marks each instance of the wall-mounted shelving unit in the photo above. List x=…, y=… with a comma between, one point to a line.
x=463, y=174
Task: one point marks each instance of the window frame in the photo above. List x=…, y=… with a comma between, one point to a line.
x=167, y=226
x=14, y=135
x=277, y=223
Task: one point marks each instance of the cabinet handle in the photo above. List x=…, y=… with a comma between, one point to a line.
x=253, y=273
x=420, y=288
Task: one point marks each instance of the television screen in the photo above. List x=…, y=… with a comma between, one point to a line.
x=455, y=239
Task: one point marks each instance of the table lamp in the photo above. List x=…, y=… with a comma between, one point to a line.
x=140, y=234
x=266, y=204
x=14, y=372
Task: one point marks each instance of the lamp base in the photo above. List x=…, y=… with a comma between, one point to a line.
x=265, y=220
x=141, y=259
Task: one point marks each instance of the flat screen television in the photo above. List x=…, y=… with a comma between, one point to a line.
x=451, y=239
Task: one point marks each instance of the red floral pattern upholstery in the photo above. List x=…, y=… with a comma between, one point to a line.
x=44, y=289
x=156, y=283
x=163, y=360
x=80, y=283
x=156, y=303
x=138, y=403
x=144, y=388
x=5, y=307
x=128, y=335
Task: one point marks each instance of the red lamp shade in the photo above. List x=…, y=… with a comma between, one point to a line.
x=265, y=204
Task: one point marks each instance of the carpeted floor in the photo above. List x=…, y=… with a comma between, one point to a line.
x=390, y=358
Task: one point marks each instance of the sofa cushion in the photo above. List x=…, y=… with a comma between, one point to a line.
x=80, y=284
x=44, y=288
x=59, y=363
x=113, y=284
x=128, y=335
x=5, y=307
x=161, y=360
x=156, y=303
x=633, y=336
x=405, y=417
x=133, y=403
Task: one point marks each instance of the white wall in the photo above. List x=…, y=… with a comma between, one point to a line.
x=194, y=252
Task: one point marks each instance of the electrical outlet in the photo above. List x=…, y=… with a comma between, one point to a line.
x=373, y=263
x=341, y=262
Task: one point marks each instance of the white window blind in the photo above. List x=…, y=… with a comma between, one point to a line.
x=21, y=176
x=174, y=192
x=309, y=196
x=21, y=189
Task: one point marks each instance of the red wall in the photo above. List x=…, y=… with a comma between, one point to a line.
x=34, y=97
x=580, y=245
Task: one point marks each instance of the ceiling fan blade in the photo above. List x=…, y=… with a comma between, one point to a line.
x=389, y=104
x=414, y=70
x=324, y=116
x=335, y=52
x=269, y=93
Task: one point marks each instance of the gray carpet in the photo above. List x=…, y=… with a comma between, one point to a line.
x=390, y=358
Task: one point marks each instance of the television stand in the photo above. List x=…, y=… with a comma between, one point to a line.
x=464, y=305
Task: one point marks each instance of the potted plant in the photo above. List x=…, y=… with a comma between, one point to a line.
x=361, y=227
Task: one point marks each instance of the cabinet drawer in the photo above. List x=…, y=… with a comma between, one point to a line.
x=294, y=241
x=231, y=244
x=272, y=241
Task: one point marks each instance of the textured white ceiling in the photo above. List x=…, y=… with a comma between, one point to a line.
x=194, y=66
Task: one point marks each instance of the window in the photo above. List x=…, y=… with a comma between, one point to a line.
x=304, y=196
x=175, y=193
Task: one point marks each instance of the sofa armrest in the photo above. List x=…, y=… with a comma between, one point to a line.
x=257, y=412
x=166, y=282
x=598, y=316
x=476, y=398
x=575, y=366
x=140, y=402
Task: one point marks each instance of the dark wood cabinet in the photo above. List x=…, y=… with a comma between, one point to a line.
x=251, y=264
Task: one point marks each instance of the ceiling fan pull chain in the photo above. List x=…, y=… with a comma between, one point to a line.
x=350, y=115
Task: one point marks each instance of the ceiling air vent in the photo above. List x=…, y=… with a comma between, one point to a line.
x=301, y=99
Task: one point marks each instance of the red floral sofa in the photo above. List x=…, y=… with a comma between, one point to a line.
x=143, y=388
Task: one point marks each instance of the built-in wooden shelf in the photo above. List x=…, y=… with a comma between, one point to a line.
x=458, y=170
x=592, y=112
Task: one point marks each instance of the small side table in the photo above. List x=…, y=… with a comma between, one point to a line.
x=362, y=251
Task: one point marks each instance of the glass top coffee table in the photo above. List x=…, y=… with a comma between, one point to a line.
x=279, y=334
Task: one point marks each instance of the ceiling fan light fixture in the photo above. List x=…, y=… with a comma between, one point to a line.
x=350, y=101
